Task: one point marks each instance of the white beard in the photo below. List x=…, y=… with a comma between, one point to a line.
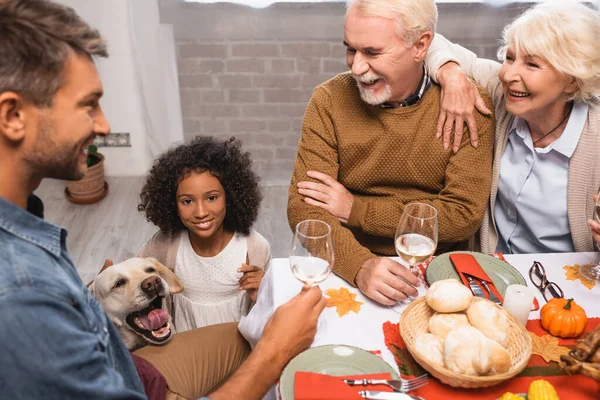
x=369, y=95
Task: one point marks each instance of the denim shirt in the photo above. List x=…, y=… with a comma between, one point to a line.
x=56, y=342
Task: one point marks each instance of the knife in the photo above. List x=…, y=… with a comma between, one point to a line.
x=475, y=288
x=467, y=263
x=376, y=395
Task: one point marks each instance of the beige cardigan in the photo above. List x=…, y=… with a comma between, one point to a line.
x=584, y=165
x=164, y=248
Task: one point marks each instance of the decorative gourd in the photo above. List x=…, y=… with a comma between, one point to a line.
x=563, y=318
x=541, y=390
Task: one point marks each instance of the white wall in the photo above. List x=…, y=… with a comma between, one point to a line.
x=135, y=80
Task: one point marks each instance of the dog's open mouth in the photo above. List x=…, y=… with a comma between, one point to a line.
x=152, y=322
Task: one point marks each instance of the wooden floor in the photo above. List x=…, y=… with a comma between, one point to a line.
x=113, y=228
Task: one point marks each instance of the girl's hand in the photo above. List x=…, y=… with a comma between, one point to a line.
x=251, y=279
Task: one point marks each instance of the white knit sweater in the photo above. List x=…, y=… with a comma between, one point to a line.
x=210, y=293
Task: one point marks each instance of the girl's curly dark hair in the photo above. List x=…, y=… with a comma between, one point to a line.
x=225, y=160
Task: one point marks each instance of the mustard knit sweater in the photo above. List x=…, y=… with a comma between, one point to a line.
x=388, y=158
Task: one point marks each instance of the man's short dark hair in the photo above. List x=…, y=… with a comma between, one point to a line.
x=36, y=39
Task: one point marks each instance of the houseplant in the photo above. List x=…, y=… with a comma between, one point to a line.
x=92, y=187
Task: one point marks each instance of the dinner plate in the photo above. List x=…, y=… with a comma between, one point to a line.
x=335, y=360
x=500, y=272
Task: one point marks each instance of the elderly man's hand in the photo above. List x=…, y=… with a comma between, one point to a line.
x=385, y=281
x=329, y=195
x=458, y=101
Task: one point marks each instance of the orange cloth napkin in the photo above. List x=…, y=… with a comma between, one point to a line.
x=467, y=264
x=312, y=386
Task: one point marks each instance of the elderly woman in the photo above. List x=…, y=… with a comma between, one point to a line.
x=547, y=149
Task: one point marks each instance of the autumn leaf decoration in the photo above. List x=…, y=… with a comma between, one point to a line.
x=343, y=300
x=406, y=364
x=547, y=347
x=572, y=273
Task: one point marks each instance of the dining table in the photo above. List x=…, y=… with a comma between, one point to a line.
x=363, y=329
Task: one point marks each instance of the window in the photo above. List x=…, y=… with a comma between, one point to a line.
x=266, y=3
x=263, y=3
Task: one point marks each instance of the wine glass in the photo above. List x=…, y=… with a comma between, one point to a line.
x=592, y=271
x=311, y=256
x=416, y=238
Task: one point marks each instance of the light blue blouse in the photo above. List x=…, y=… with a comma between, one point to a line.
x=531, y=206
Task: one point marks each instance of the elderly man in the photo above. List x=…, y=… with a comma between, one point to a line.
x=367, y=149
x=56, y=342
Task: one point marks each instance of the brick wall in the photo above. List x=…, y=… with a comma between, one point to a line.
x=250, y=73
x=256, y=91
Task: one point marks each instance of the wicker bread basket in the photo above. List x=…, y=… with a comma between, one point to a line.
x=413, y=323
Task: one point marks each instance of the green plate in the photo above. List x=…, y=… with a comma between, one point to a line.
x=500, y=272
x=336, y=360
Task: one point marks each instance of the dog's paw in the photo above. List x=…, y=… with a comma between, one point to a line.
x=116, y=323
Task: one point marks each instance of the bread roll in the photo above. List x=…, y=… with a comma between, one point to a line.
x=490, y=320
x=448, y=296
x=431, y=348
x=467, y=351
x=501, y=360
x=441, y=324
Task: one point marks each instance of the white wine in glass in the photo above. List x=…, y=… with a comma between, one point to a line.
x=310, y=270
x=311, y=256
x=592, y=271
x=414, y=248
x=416, y=238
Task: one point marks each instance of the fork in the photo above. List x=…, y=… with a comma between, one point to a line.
x=370, y=394
x=492, y=295
x=399, y=385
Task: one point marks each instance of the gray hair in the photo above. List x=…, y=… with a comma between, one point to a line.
x=565, y=33
x=413, y=17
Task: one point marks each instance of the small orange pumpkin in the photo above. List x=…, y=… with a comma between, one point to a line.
x=563, y=318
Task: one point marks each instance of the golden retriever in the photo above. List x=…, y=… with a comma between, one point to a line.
x=133, y=295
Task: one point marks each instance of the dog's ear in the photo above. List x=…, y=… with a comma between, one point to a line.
x=175, y=286
x=107, y=263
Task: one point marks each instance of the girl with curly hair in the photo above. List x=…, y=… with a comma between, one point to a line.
x=205, y=197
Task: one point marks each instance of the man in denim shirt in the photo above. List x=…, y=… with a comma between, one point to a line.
x=51, y=326
x=55, y=340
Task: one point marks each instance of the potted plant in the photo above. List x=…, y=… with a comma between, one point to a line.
x=92, y=187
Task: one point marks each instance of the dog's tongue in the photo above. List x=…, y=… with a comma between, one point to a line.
x=154, y=320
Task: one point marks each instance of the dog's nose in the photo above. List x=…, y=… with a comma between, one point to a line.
x=150, y=285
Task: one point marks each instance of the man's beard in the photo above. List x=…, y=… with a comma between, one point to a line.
x=369, y=95
x=50, y=159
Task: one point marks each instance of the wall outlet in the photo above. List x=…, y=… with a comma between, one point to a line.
x=117, y=139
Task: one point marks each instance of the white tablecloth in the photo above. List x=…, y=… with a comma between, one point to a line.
x=364, y=329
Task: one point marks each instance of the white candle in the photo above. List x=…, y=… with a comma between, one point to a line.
x=517, y=301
